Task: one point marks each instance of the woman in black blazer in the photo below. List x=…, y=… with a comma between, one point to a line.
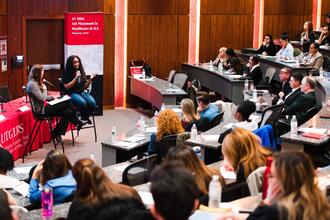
x=267, y=47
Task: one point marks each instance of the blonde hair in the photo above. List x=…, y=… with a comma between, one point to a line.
x=168, y=123
x=300, y=198
x=188, y=111
x=202, y=173
x=35, y=74
x=242, y=148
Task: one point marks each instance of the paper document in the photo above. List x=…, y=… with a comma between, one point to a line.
x=56, y=101
x=313, y=130
x=126, y=144
x=147, y=198
x=23, y=170
x=2, y=117
x=229, y=175
x=22, y=188
x=134, y=139
x=23, y=108
x=8, y=182
x=228, y=126
x=211, y=137
x=151, y=129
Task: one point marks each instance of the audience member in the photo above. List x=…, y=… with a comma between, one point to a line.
x=307, y=36
x=97, y=196
x=205, y=108
x=292, y=192
x=324, y=38
x=236, y=67
x=5, y=210
x=285, y=89
x=202, y=173
x=221, y=58
x=303, y=103
x=286, y=52
x=327, y=18
x=190, y=117
x=6, y=164
x=295, y=83
x=314, y=58
x=243, y=153
x=242, y=115
x=253, y=70
x=54, y=172
x=168, y=123
x=75, y=83
x=37, y=92
x=174, y=191
x=267, y=47
x=230, y=53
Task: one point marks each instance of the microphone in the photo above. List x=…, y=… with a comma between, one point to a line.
x=26, y=96
x=79, y=77
x=49, y=83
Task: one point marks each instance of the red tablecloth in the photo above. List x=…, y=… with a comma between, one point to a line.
x=16, y=128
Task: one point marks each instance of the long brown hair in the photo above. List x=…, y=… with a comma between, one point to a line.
x=35, y=73
x=242, y=148
x=188, y=111
x=55, y=165
x=300, y=198
x=202, y=173
x=168, y=123
x=94, y=187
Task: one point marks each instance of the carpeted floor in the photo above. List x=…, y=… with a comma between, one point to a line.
x=122, y=119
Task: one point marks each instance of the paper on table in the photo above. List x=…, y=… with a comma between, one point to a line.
x=172, y=90
x=177, y=110
x=56, y=101
x=230, y=175
x=23, y=170
x=126, y=144
x=23, y=108
x=313, y=130
x=202, y=215
x=7, y=182
x=2, y=117
x=147, y=198
x=211, y=137
x=22, y=188
x=228, y=126
x=121, y=167
x=151, y=129
x=134, y=139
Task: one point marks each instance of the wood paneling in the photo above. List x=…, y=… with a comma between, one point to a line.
x=3, y=25
x=85, y=5
x=325, y=9
x=37, y=7
x=109, y=51
x=109, y=6
x=286, y=16
x=3, y=7
x=158, y=7
x=224, y=24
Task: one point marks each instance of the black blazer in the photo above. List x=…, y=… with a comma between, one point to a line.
x=301, y=105
x=256, y=75
x=290, y=99
x=270, y=50
x=202, y=125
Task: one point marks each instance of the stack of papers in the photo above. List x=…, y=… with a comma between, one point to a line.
x=126, y=144
x=56, y=101
x=313, y=130
x=134, y=139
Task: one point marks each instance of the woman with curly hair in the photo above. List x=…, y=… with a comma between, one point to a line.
x=293, y=191
x=243, y=152
x=168, y=123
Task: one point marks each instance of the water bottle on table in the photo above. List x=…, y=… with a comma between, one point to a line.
x=114, y=135
x=294, y=125
x=214, y=192
x=193, y=132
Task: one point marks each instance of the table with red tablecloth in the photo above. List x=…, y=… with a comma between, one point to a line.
x=17, y=126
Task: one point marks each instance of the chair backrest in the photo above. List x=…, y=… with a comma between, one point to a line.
x=179, y=79
x=269, y=75
x=63, y=90
x=139, y=172
x=254, y=181
x=296, y=52
x=4, y=94
x=271, y=115
x=234, y=191
x=216, y=120
x=310, y=113
x=170, y=76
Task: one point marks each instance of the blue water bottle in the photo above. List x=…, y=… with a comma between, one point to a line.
x=47, y=201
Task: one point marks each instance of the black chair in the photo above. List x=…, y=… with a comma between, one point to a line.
x=310, y=114
x=39, y=119
x=139, y=172
x=179, y=79
x=235, y=191
x=63, y=92
x=271, y=115
x=4, y=94
x=216, y=120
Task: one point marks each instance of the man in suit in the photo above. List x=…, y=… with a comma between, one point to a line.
x=295, y=82
x=302, y=104
x=285, y=88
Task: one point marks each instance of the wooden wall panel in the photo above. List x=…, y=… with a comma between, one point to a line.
x=325, y=9
x=37, y=7
x=109, y=51
x=109, y=6
x=157, y=7
x=184, y=7
x=286, y=16
x=85, y=5
x=3, y=7
x=183, y=38
x=3, y=25
x=229, y=26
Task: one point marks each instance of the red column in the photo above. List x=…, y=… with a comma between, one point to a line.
x=194, y=26
x=316, y=16
x=258, y=22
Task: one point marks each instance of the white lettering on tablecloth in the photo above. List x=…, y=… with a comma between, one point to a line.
x=11, y=133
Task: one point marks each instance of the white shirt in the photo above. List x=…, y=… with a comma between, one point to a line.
x=293, y=90
x=286, y=52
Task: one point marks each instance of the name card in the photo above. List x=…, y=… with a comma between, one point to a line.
x=23, y=108
x=2, y=117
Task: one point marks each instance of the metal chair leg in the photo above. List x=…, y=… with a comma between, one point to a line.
x=95, y=134
x=30, y=138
